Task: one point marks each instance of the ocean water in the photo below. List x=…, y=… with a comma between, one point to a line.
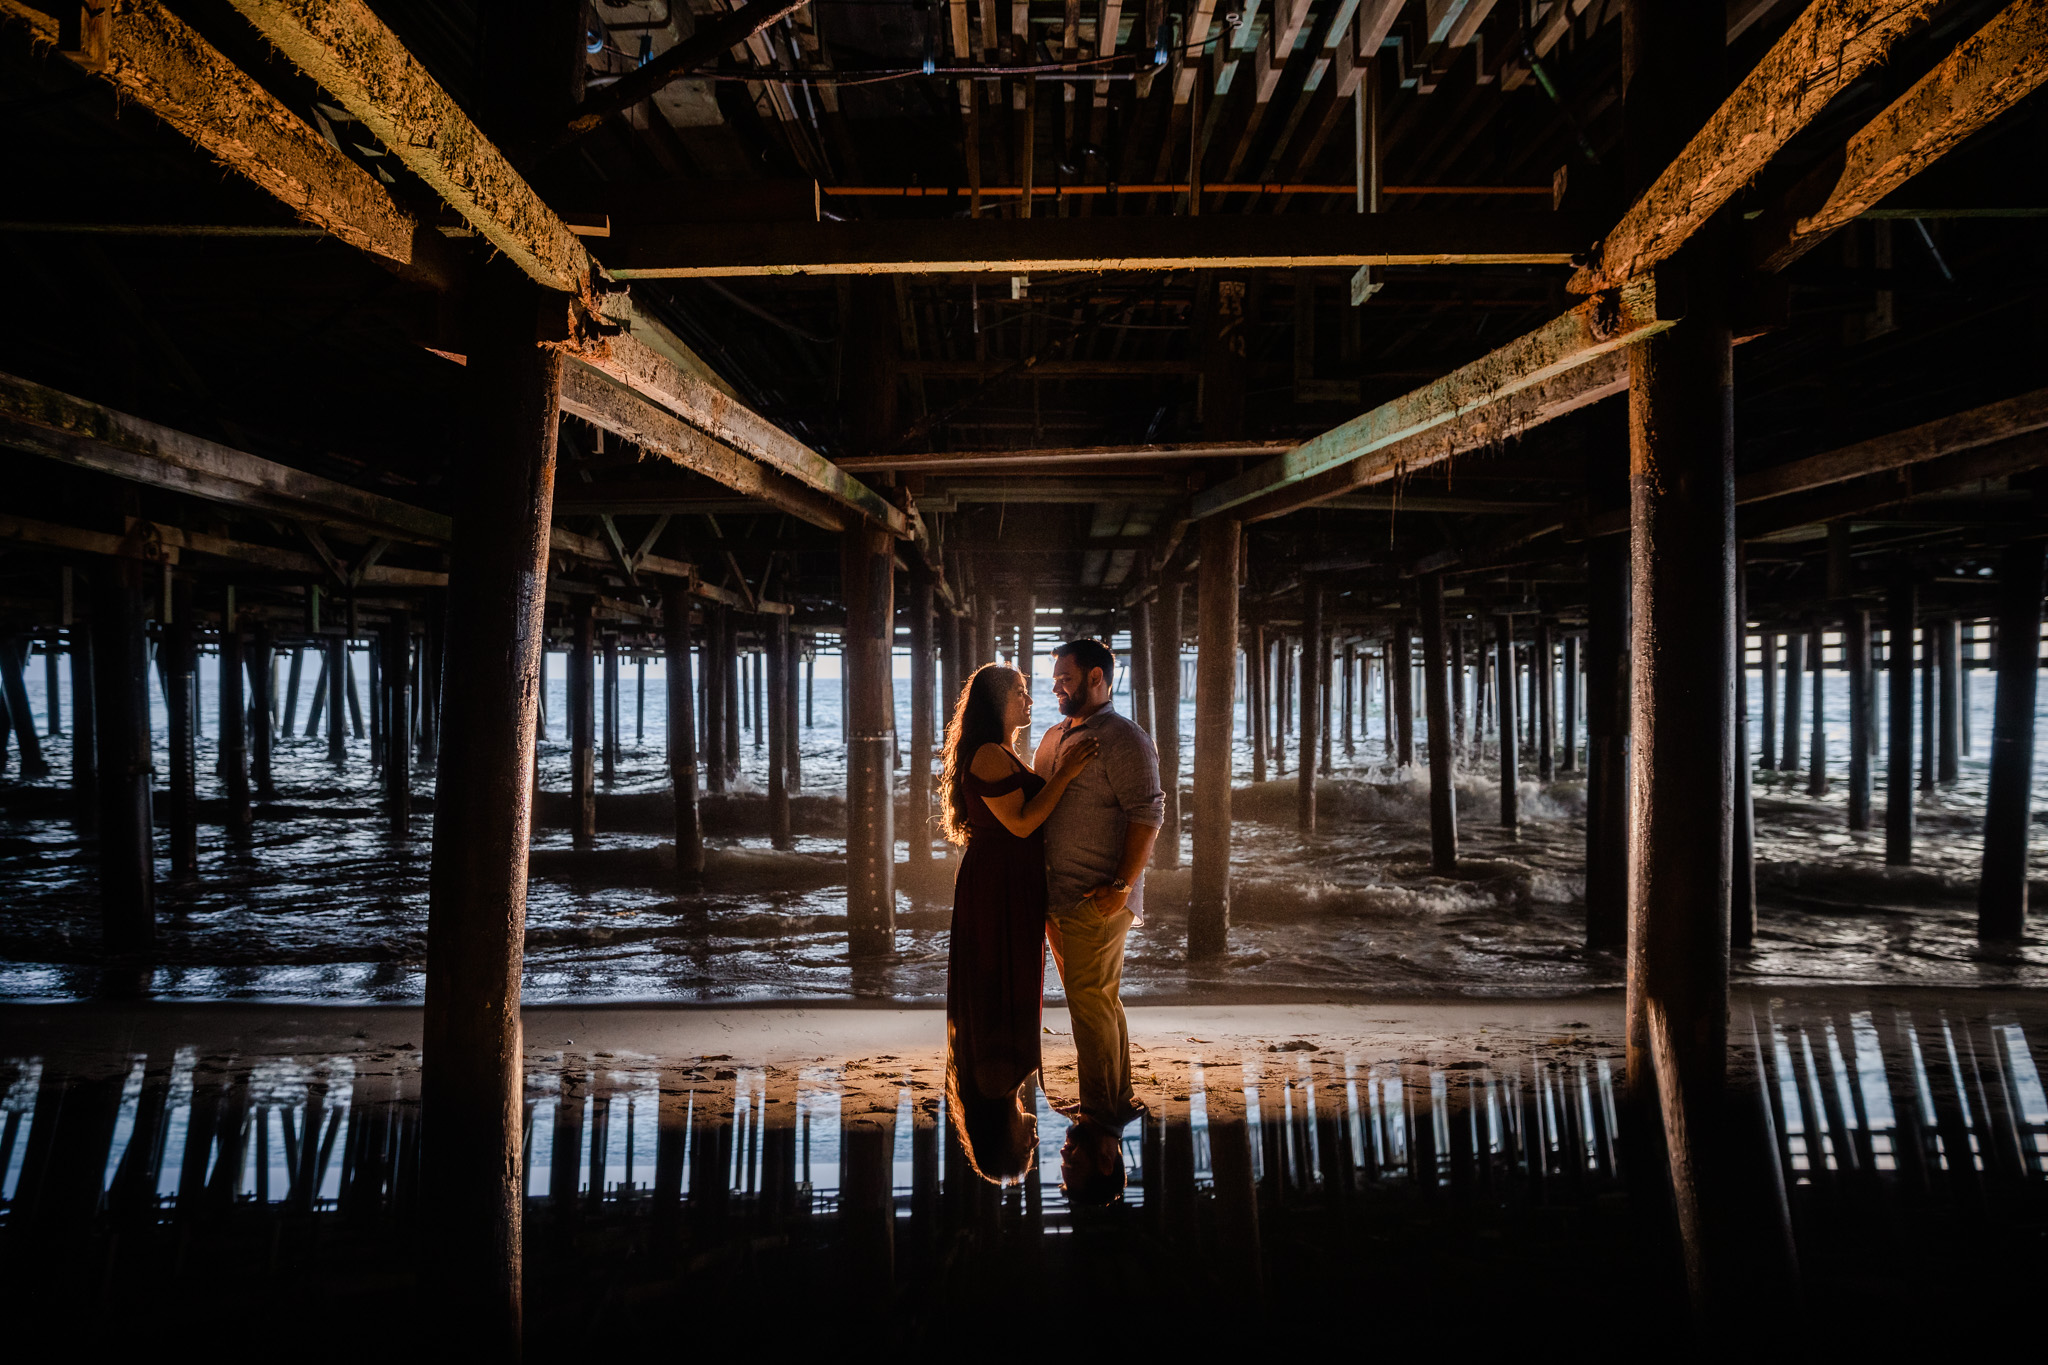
x=322, y=901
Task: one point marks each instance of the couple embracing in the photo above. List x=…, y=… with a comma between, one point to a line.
x=1055, y=854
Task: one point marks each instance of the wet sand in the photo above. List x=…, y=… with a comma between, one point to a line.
x=1348, y=1175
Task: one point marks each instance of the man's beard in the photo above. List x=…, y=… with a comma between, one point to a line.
x=1072, y=704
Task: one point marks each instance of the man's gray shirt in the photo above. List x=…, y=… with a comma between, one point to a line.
x=1084, y=836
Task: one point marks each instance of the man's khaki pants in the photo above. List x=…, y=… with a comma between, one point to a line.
x=1088, y=949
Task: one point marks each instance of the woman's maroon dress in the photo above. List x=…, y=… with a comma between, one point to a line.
x=995, y=971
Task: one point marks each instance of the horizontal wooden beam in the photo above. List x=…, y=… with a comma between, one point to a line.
x=2015, y=427
x=155, y=61
x=589, y=548
x=1486, y=427
x=1382, y=440
x=592, y=396
x=41, y=421
x=50, y=536
x=1069, y=459
x=1044, y=369
x=1870, y=492
x=1944, y=436
x=1019, y=246
x=1987, y=74
x=1830, y=45
x=632, y=364
x=356, y=58
x=278, y=559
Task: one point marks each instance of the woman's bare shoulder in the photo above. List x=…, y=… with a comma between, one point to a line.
x=992, y=763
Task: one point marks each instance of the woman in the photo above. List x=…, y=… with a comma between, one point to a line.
x=995, y=969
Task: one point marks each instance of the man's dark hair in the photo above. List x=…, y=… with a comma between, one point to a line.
x=1090, y=654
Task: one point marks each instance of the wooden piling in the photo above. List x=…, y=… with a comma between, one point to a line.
x=1795, y=684
x=427, y=678
x=1402, y=667
x=1256, y=685
x=178, y=661
x=1900, y=608
x=1817, y=737
x=611, y=707
x=84, y=729
x=472, y=1102
x=1568, y=756
x=395, y=640
x=1856, y=653
x=682, y=736
x=1607, y=747
x=337, y=672
x=1215, y=686
x=780, y=741
x=716, y=624
x=760, y=658
x=234, y=719
x=1767, y=691
x=1436, y=692
x=583, y=724
x=1683, y=632
x=120, y=685
x=1543, y=677
x=952, y=667
x=1949, y=711
x=1742, y=838
x=984, y=632
x=918, y=836
x=1350, y=685
x=729, y=675
x=1930, y=707
x=2002, y=884
x=1504, y=672
x=791, y=702
x=1140, y=666
x=1311, y=706
x=352, y=692
x=262, y=709
x=13, y=659
x=53, y=703
x=291, y=688
x=1324, y=707
x=868, y=586
x=1166, y=638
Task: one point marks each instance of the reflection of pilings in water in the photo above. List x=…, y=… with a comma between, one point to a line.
x=867, y=1214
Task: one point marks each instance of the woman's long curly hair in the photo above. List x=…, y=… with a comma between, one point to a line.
x=977, y=720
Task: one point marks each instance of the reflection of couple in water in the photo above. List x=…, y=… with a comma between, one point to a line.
x=1055, y=852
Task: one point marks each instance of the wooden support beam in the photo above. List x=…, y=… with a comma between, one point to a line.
x=1069, y=459
x=2028, y=412
x=154, y=60
x=1038, y=245
x=1216, y=606
x=1375, y=440
x=1507, y=417
x=1987, y=74
x=1830, y=45
x=593, y=396
x=357, y=59
x=42, y=421
x=631, y=363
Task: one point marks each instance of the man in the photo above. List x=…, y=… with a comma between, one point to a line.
x=1097, y=842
